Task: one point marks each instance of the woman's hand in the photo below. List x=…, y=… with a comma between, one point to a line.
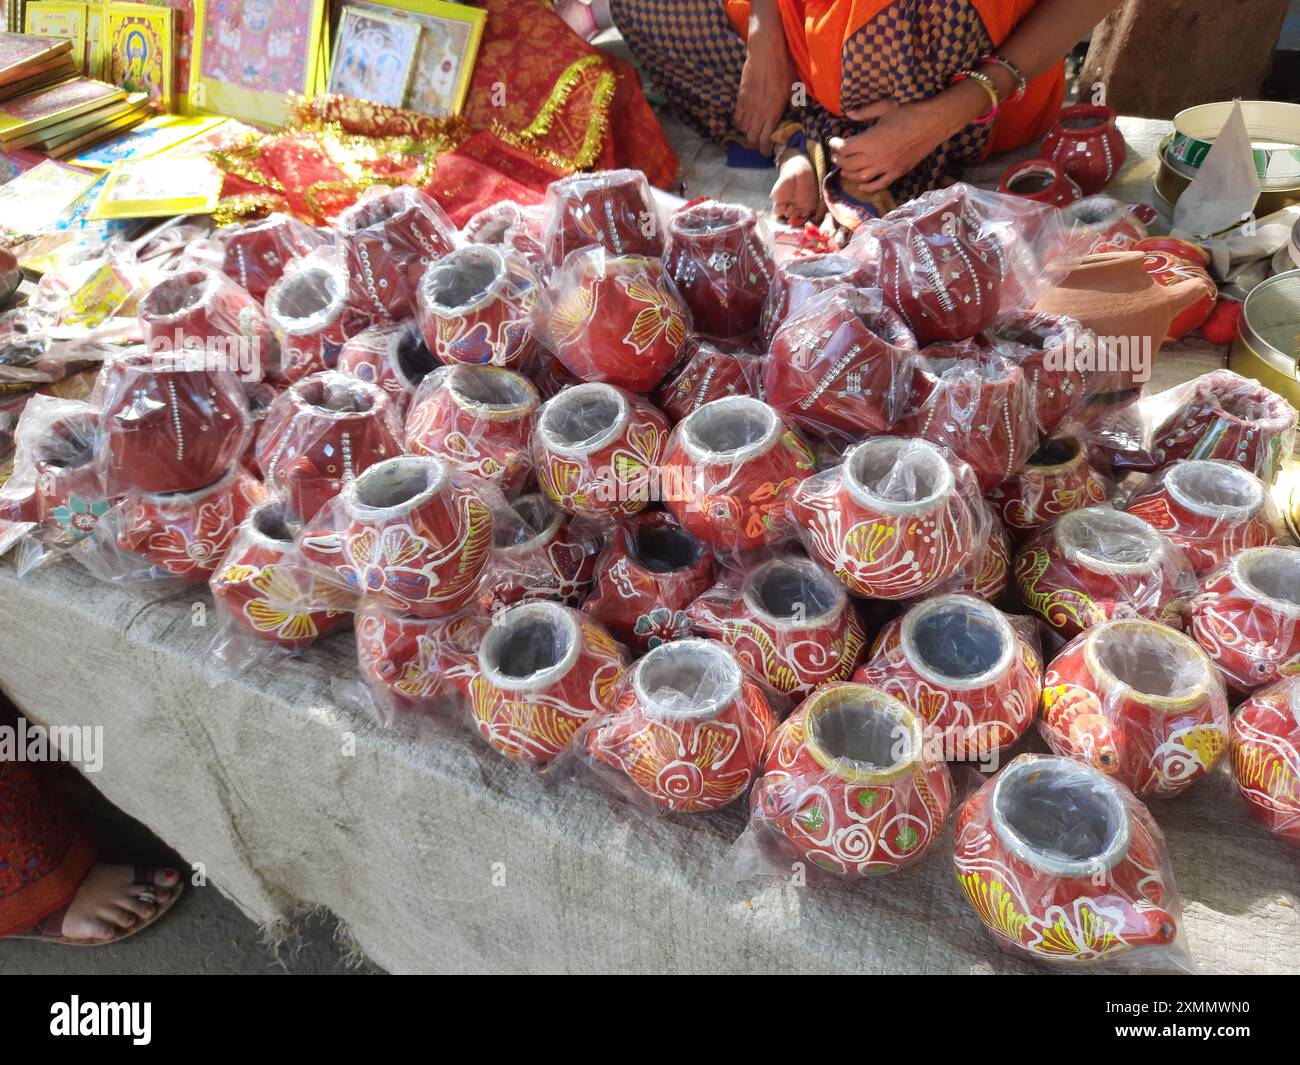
x=904, y=134
x=765, y=84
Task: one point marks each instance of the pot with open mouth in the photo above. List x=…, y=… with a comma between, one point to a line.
x=1266, y=757
x=1246, y=616
x=686, y=732
x=407, y=533
x=1087, y=144
x=612, y=209
x=962, y=664
x=796, y=281
x=648, y=574
x=1063, y=864
x=1055, y=353
x=788, y=621
x=476, y=306
x=706, y=373
x=539, y=552
x=730, y=468
x=256, y=254
x=850, y=784
x=478, y=419
x=596, y=450
x=320, y=434
x=896, y=520
x=68, y=494
x=1138, y=701
x=311, y=316
x=1056, y=479
x=1095, y=564
x=719, y=260
x=1040, y=180
x=392, y=356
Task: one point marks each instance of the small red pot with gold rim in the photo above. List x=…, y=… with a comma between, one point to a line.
x=1266, y=758
x=1055, y=480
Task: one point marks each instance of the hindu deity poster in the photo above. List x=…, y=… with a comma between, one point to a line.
x=60, y=18
x=448, y=47
x=249, y=54
x=375, y=56
x=183, y=22
x=139, y=50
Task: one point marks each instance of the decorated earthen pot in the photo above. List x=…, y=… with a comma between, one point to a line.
x=540, y=552
x=512, y=228
x=687, y=731
x=1266, y=757
x=255, y=254
x=1109, y=222
x=1063, y=864
x=963, y=666
x=796, y=281
x=788, y=621
x=1054, y=480
x=991, y=580
x=393, y=356
x=1054, y=353
x=402, y=659
x=68, y=495
x=718, y=258
x=612, y=209
x=850, y=785
x=596, y=449
x=407, y=534
x=649, y=573
x=312, y=318
x=1040, y=180
x=1087, y=144
x=708, y=372
x=1138, y=701
x=1172, y=262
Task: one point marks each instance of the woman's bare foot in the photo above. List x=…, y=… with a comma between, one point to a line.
x=794, y=196
x=112, y=900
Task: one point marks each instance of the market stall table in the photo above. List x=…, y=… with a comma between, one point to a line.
x=438, y=855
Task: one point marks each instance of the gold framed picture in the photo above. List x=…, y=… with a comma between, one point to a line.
x=61, y=18
x=449, y=42
x=139, y=46
x=375, y=56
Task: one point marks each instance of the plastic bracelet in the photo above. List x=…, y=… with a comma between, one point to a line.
x=1006, y=64
x=985, y=83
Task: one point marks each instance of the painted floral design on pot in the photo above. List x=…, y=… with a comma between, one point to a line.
x=1062, y=863
x=320, y=434
x=941, y=267
x=311, y=317
x=169, y=428
x=1138, y=701
x=478, y=419
x=850, y=785
x=707, y=374
x=841, y=365
x=402, y=659
x=686, y=732
x=539, y=552
x=1246, y=616
x=69, y=496
x=1096, y=564
x=255, y=254
x=269, y=592
x=185, y=535
x=1052, y=350
x=650, y=572
x=596, y=449
x=993, y=578
x=796, y=281
x=977, y=405
x=540, y=672
x=719, y=260
x=1209, y=509
x=392, y=356
x=729, y=470
x=1170, y=262
x=788, y=621
x=613, y=209
x=616, y=320
x=1087, y=144
x=895, y=521
x=476, y=306
x=408, y=534
x=1221, y=415
x=962, y=664
x=1056, y=479
x=1266, y=757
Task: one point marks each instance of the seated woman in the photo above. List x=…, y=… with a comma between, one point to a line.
x=887, y=98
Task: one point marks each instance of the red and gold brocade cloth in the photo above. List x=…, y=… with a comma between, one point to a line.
x=542, y=104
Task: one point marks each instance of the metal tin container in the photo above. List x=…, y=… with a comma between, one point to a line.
x=1170, y=185
x=1273, y=128
x=1268, y=335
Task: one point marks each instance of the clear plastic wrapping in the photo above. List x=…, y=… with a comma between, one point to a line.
x=1106, y=224
x=842, y=365
x=993, y=576
x=1246, y=615
x=613, y=209
x=729, y=471
x=618, y=320
x=1058, y=358
x=718, y=256
x=1266, y=757
x=1064, y=865
x=169, y=427
x=256, y=253
x=1209, y=509
x=650, y=571
x=321, y=433
x=475, y=306
x=977, y=404
x=479, y=420
x=972, y=673
x=393, y=356
x=796, y=281
x=1221, y=415
x=849, y=786
x=685, y=732
x=408, y=533
x=787, y=620
x=596, y=450
x=539, y=552
x=402, y=658
x=312, y=314
x=1139, y=702
x=707, y=372
x=512, y=228
x=1054, y=480
x=1095, y=564
x=897, y=519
